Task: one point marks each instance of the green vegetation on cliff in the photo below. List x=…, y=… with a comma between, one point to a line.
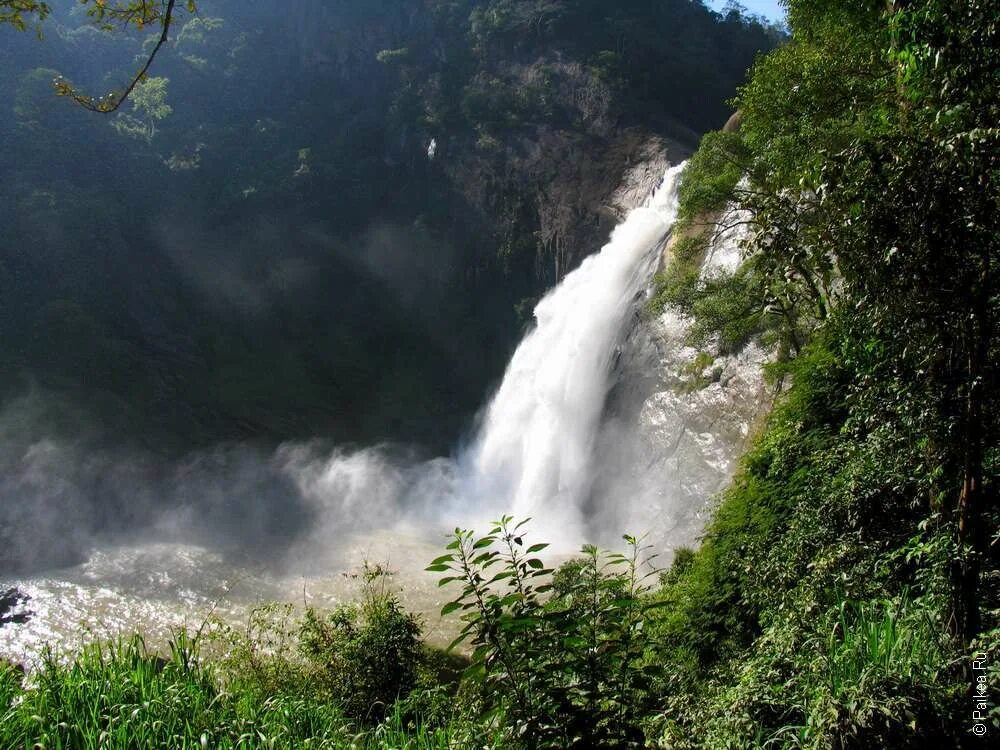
x=849, y=575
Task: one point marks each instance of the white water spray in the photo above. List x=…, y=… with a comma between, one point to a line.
x=533, y=453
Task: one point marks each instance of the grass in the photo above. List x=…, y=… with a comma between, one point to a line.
x=879, y=679
x=123, y=697
x=890, y=639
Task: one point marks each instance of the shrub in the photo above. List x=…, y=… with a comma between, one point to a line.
x=565, y=670
x=366, y=656
x=260, y=658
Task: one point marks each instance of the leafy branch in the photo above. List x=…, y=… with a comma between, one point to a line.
x=558, y=655
x=137, y=14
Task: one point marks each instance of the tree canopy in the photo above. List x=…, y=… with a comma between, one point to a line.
x=138, y=14
x=868, y=170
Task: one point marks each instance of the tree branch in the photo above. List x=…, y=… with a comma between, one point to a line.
x=112, y=102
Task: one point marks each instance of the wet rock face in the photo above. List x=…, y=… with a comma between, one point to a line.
x=570, y=190
x=645, y=163
x=13, y=607
x=589, y=190
x=677, y=422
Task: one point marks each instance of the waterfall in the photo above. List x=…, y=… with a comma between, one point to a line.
x=533, y=454
x=593, y=432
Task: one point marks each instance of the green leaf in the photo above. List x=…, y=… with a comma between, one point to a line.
x=656, y=605
x=474, y=671
x=523, y=623
x=450, y=607
x=623, y=603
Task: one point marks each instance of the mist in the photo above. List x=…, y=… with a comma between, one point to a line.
x=294, y=504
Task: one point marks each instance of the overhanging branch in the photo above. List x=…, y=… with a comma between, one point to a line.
x=112, y=102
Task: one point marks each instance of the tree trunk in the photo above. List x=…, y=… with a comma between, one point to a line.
x=972, y=543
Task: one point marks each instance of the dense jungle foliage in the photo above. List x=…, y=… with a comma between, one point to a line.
x=845, y=593
x=849, y=575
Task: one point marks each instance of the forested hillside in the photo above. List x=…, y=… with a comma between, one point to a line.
x=264, y=243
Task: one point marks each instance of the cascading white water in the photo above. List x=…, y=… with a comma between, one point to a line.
x=533, y=453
